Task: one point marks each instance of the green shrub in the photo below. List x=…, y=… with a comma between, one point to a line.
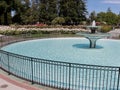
x=33, y=31
x=9, y=32
x=45, y=32
x=58, y=20
x=106, y=28
x=18, y=32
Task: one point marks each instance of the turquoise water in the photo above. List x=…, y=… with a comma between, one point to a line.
x=74, y=50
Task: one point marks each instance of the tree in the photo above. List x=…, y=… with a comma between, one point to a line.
x=43, y=11
x=2, y=9
x=52, y=9
x=48, y=11
x=101, y=17
x=118, y=18
x=6, y=7
x=30, y=15
x=93, y=16
x=109, y=10
x=108, y=17
x=81, y=10
x=18, y=9
x=111, y=18
x=72, y=10
x=67, y=10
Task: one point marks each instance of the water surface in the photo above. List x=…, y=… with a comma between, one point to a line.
x=74, y=50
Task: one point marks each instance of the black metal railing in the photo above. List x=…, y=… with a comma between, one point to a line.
x=62, y=75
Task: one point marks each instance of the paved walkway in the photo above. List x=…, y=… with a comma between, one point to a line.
x=8, y=84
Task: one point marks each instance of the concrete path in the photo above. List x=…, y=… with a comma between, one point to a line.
x=8, y=84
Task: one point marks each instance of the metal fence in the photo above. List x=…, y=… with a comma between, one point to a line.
x=62, y=75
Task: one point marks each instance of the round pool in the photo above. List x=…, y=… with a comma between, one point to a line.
x=73, y=50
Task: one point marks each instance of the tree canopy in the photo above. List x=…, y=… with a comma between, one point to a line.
x=72, y=12
x=6, y=7
x=43, y=11
x=108, y=17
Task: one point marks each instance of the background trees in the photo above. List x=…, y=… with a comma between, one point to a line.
x=47, y=11
x=29, y=14
x=72, y=12
x=43, y=11
x=6, y=8
x=107, y=17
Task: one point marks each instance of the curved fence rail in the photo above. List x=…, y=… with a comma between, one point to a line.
x=62, y=75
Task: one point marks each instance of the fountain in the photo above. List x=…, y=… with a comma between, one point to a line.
x=94, y=35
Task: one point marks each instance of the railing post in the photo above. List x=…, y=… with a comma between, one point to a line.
x=8, y=63
x=118, y=79
x=69, y=75
x=32, y=70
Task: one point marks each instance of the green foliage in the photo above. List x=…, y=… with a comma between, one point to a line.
x=29, y=17
x=6, y=6
x=93, y=16
x=34, y=32
x=48, y=11
x=2, y=19
x=3, y=6
x=52, y=10
x=43, y=17
x=43, y=11
x=58, y=20
x=109, y=17
x=73, y=11
x=106, y=28
x=101, y=17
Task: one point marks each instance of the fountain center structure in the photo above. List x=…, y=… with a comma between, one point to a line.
x=93, y=28
x=93, y=35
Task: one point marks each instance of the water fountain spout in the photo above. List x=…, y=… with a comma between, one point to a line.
x=93, y=23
